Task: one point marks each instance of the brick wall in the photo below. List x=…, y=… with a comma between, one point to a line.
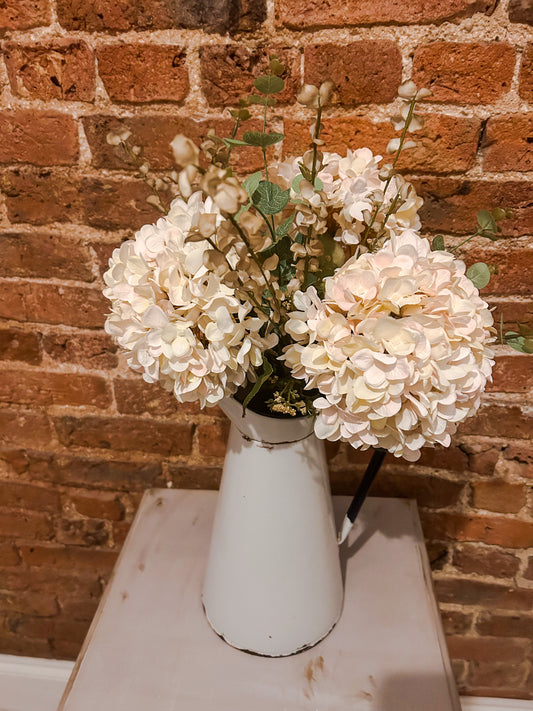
x=81, y=437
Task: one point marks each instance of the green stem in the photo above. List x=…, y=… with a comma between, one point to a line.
x=233, y=134
x=476, y=233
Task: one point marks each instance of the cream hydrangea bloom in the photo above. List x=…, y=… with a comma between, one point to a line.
x=351, y=189
x=179, y=323
x=398, y=348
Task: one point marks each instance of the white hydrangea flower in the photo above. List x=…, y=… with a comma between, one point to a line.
x=179, y=323
x=352, y=188
x=398, y=348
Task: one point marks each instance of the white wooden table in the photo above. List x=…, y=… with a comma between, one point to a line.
x=150, y=649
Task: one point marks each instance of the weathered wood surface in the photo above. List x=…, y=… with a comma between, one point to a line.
x=150, y=648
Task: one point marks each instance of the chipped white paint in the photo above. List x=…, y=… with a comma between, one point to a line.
x=273, y=582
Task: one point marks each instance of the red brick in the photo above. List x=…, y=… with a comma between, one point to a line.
x=8, y=555
x=38, y=137
x=136, y=397
x=494, y=596
x=499, y=496
x=473, y=558
x=522, y=454
x=28, y=602
x=429, y=491
x=528, y=573
x=45, y=303
x=40, y=627
x=494, y=530
x=123, y=433
x=500, y=421
x=67, y=630
x=483, y=460
x=299, y=14
x=17, y=345
x=68, y=558
x=83, y=532
x=62, y=69
x=124, y=15
x=511, y=374
x=26, y=429
x=496, y=625
x=42, y=388
x=521, y=11
x=513, y=263
x=456, y=622
x=98, y=505
x=468, y=73
x=155, y=133
x=14, y=644
x=512, y=311
x=449, y=458
x=445, y=144
x=140, y=73
x=365, y=72
x=526, y=74
x=486, y=649
x=91, y=350
x=27, y=496
x=111, y=204
x=229, y=70
x=438, y=554
x=44, y=255
x=194, y=477
x=451, y=204
x=25, y=525
x=90, y=473
x=212, y=439
x=23, y=14
x=507, y=143
x=496, y=676
x=40, y=197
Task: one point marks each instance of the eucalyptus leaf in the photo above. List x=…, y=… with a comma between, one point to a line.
x=479, y=274
x=438, y=244
x=269, y=84
x=234, y=142
x=296, y=182
x=251, y=183
x=270, y=198
x=256, y=138
x=319, y=185
x=263, y=100
x=267, y=371
x=519, y=343
x=283, y=229
x=486, y=221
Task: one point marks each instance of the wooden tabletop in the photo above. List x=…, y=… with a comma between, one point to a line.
x=150, y=648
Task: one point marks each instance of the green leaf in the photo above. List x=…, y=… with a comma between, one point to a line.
x=269, y=84
x=519, y=343
x=234, y=142
x=319, y=185
x=283, y=229
x=263, y=100
x=256, y=138
x=267, y=371
x=499, y=214
x=296, y=182
x=486, y=221
x=305, y=172
x=438, y=244
x=479, y=274
x=275, y=66
x=270, y=198
x=251, y=183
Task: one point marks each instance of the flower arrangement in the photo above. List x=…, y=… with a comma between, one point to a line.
x=305, y=289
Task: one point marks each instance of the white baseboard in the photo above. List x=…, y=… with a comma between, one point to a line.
x=30, y=684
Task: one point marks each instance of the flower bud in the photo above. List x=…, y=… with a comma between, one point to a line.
x=308, y=96
x=407, y=90
x=184, y=150
x=325, y=91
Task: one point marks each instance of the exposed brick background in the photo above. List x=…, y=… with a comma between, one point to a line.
x=81, y=437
